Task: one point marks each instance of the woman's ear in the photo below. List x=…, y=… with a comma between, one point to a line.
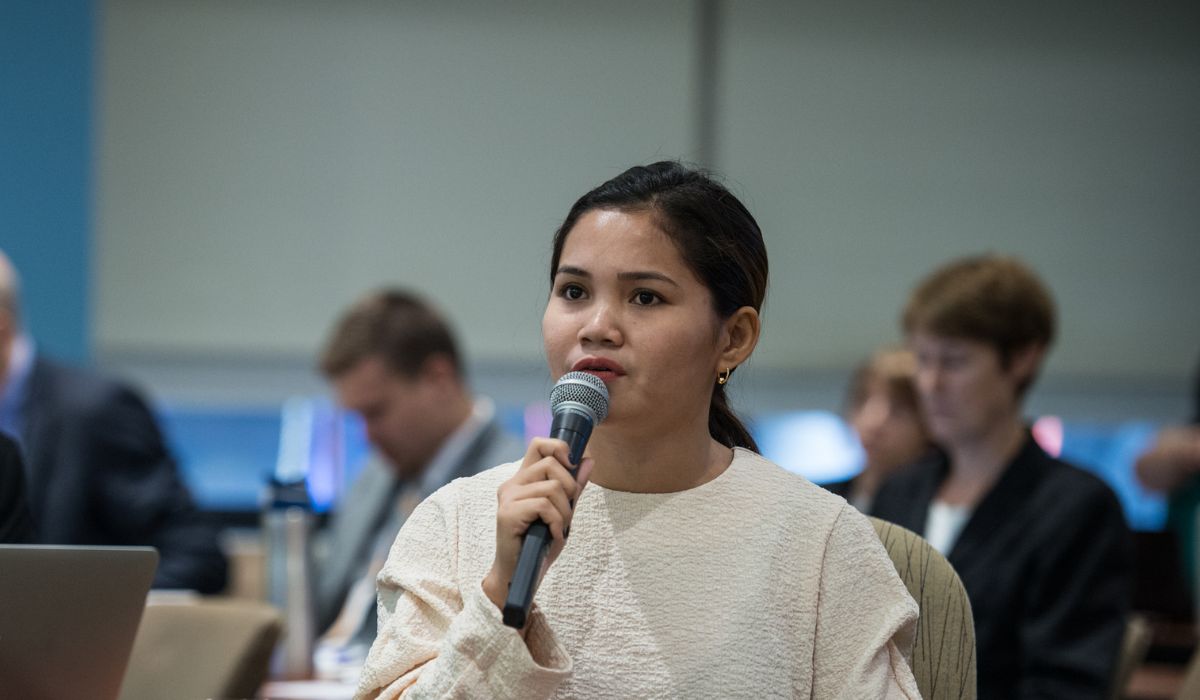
x=1025, y=362
x=739, y=336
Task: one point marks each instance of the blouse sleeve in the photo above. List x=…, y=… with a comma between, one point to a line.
x=866, y=620
x=440, y=639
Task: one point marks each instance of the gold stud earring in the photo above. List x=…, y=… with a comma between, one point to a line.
x=723, y=375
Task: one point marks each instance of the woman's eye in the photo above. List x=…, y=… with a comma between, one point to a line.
x=572, y=292
x=645, y=298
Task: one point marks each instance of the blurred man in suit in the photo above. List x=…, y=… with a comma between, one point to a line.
x=16, y=527
x=392, y=359
x=99, y=471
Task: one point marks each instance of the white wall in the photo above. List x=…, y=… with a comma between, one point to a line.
x=877, y=139
x=263, y=163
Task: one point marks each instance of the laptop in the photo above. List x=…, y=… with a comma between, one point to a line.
x=68, y=617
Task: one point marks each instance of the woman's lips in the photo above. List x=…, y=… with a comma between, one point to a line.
x=603, y=368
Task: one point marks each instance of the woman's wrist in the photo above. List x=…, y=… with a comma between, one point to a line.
x=494, y=589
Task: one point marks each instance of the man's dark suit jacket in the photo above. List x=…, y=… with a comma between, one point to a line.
x=16, y=527
x=100, y=473
x=1046, y=559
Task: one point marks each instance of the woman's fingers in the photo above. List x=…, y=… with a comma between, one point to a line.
x=547, y=459
x=540, y=448
x=547, y=472
x=543, y=489
x=526, y=500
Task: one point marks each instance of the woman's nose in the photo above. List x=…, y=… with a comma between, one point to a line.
x=602, y=326
x=929, y=379
x=871, y=415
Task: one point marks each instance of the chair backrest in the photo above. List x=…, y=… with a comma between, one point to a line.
x=1134, y=646
x=943, y=659
x=1189, y=689
x=213, y=648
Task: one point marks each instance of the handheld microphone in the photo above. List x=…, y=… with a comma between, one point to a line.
x=578, y=402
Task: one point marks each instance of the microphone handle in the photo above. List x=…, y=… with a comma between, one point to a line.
x=529, y=563
x=537, y=537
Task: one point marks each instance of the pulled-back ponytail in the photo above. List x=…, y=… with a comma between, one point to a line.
x=724, y=425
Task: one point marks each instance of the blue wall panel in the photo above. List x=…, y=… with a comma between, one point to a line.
x=45, y=164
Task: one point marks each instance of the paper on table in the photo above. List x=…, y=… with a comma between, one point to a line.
x=307, y=690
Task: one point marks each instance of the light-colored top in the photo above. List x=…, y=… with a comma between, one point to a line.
x=944, y=524
x=756, y=584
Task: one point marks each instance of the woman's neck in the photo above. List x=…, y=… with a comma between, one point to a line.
x=868, y=482
x=656, y=462
x=976, y=465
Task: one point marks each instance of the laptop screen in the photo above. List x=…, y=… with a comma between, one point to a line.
x=68, y=617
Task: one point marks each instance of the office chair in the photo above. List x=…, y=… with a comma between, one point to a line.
x=1134, y=646
x=943, y=659
x=213, y=648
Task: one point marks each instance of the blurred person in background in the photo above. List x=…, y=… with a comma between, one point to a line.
x=392, y=358
x=1042, y=547
x=1172, y=465
x=99, y=470
x=16, y=527
x=883, y=409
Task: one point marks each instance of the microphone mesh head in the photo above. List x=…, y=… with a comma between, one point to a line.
x=584, y=388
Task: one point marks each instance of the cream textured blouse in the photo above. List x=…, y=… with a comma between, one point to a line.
x=756, y=584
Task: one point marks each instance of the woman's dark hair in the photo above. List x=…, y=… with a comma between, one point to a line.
x=994, y=299
x=716, y=235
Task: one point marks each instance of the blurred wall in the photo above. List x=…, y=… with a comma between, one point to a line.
x=260, y=164
x=264, y=163
x=876, y=139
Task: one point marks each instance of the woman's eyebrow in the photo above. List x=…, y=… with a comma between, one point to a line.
x=573, y=271
x=633, y=275
x=639, y=275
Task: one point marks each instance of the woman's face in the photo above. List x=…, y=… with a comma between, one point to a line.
x=625, y=307
x=890, y=429
x=965, y=389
